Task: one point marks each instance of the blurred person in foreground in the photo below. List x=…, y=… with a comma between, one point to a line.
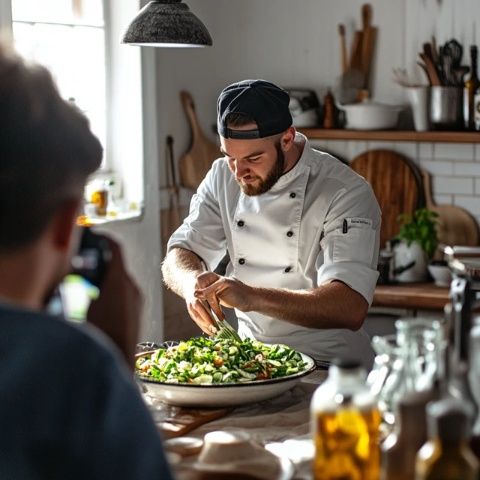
x=69, y=407
x=301, y=230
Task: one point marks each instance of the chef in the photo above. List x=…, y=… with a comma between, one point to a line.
x=301, y=230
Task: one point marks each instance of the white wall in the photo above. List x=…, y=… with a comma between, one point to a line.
x=139, y=237
x=295, y=43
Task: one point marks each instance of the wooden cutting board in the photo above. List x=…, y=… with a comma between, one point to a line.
x=195, y=163
x=455, y=225
x=185, y=420
x=397, y=184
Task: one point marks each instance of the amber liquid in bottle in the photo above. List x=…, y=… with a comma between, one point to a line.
x=471, y=94
x=347, y=445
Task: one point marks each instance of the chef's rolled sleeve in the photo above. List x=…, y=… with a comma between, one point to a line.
x=350, y=244
x=356, y=276
x=202, y=230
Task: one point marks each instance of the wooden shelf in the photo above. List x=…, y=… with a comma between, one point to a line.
x=391, y=135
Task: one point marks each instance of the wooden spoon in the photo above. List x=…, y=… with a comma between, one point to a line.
x=431, y=70
x=343, y=47
x=369, y=35
x=424, y=68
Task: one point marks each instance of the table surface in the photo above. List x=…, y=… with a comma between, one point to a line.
x=281, y=425
x=421, y=296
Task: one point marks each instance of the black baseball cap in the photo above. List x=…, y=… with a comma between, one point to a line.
x=266, y=103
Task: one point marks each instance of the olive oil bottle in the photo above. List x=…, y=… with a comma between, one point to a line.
x=345, y=426
x=447, y=455
x=471, y=93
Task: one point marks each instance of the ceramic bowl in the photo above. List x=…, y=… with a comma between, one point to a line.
x=441, y=274
x=226, y=446
x=233, y=454
x=369, y=115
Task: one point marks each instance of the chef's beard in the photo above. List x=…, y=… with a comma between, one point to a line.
x=270, y=180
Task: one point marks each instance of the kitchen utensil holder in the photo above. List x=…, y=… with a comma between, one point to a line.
x=446, y=108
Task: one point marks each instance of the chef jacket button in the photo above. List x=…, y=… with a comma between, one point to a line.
x=293, y=195
x=241, y=261
x=240, y=223
x=289, y=233
x=287, y=269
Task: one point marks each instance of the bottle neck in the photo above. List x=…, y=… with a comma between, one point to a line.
x=474, y=63
x=346, y=377
x=450, y=447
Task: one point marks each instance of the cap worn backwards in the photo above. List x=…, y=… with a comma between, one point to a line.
x=263, y=101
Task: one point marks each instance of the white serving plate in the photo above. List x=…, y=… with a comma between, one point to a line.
x=224, y=395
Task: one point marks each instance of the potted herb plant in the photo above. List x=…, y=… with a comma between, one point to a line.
x=416, y=244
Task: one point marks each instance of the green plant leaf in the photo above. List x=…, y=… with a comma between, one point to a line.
x=420, y=227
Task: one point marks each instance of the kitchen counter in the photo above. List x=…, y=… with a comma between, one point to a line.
x=281, y=425
x=414, y=296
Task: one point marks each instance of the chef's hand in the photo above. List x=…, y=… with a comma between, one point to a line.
x=199, y=308
x=117, y=310
x=227, y=291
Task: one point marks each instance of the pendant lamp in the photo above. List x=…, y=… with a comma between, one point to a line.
x=167, y=23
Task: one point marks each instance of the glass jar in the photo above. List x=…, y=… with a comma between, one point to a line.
x=345, y=425
x=408, y=361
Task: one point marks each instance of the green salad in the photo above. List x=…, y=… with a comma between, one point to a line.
x=216, y=361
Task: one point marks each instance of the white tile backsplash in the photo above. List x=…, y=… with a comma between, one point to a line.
x=443, y=199
x=380, y=146
x=436, y=167
x=468, y=202
x=453, y=151
x=339, y=148
x=425, y=150
x=453, y=185
x=356, y=148
x=466, y=168
x=408, y=149
x=454, y=168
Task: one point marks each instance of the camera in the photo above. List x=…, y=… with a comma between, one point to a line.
x=74, y=294
x=91, y=260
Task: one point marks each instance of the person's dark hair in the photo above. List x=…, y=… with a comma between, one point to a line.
x=47, y=151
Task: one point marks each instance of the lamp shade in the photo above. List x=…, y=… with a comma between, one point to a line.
x=167, y=23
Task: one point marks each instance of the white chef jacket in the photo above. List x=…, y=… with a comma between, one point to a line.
x=320, y=222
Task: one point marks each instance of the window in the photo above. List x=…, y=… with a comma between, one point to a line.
x=68, y=37
x=78, y=41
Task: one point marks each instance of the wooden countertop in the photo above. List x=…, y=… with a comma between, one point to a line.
x=421, y=296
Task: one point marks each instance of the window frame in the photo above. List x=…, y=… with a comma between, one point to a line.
x=116, y=163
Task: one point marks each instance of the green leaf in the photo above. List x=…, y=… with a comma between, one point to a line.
x=420, y=227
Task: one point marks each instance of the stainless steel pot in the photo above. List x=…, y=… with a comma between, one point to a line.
x=446, y=107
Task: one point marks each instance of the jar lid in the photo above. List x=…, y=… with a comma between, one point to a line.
x=346, y=363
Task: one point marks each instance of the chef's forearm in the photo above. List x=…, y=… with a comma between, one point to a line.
x=333, y=305
x=180, y=269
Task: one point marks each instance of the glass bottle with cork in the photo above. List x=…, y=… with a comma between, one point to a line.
x=447, y=455
x=471, y=94
x=345, y=425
